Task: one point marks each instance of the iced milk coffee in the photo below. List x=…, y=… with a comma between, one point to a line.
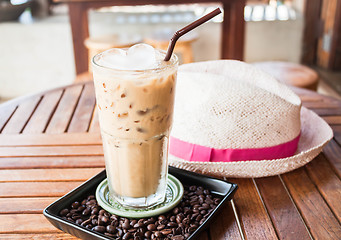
x=135, y=95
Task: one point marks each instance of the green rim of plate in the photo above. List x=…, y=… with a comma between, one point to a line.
x=174, y=193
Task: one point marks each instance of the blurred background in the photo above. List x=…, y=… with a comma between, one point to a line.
x=36, y=44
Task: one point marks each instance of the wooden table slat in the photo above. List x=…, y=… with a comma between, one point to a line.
x=6, y=113
x=91, y=150
x=254, y=219
x=94, y=126
x=327, y=183
x=38, y=236
x=62, y=139
x=36, y=189
x=21, y=116
x=276, y=199
x=315, y=212
x=25, y=223
x=32, y=205
x=51, y=162
x=323, y=105
x=332, y=119
x=38, y=175
x=81, y=119
x=327, y=111
x=42, y=114
x=225, y=226
x=66, y=107
x=337, y=133
x=333, y=152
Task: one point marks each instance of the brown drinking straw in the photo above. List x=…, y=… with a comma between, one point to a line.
x=186, y=29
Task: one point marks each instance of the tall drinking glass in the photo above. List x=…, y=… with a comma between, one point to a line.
x=135, y=109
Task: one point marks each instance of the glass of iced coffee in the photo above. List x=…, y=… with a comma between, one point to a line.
x=135, y=96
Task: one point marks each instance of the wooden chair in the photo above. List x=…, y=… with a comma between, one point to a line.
x=233, y=25
x=291, y=74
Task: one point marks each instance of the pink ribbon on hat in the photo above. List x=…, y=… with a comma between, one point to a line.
x=198, y=153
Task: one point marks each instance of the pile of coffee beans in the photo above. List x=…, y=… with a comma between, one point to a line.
x=178, y=224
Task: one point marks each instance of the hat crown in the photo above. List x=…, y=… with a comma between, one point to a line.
x=231, y=104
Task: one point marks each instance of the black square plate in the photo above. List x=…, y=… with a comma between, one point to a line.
x=220, y=188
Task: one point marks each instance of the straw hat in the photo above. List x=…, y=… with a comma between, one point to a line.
x=233, y=120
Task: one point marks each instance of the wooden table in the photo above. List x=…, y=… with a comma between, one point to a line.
x=50, y=144
x=233, y=25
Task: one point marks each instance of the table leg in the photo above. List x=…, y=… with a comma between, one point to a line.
x=80, y=31
x=233, y=27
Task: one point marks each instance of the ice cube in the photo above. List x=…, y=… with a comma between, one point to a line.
x=138, y=57
x=114, y=58
x=142, y=56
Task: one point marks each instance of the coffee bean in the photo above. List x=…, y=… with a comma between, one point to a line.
x=86, y=222
x=198, y=218
x=126, y=224
x=177, y=231
x=104, y=219
x=79, y=221
x=109, y=235
x=94, y=221
x=172, y=224
x=91, y=202
x=100, y=229
x=151, y=227
x=100, y=222
x=111, y=229
x=212, y=206
x=126, y=236
x=191, y=229
x=73, y=211
x=101, y=212
x=80, y=209
x=91, y=197
x=94, y=211
x=64, y=212
x=158, y=234
x=148, y=234
x=138, y=234
x=202, y=221
x=133, y=222
x=166, y=231
x=132, y=230
x=119, y=232
x=138, y=225
x=178, y=237
x=176, y=210
x=75, y=216
x=203, y=212
x=160, y=227
x=147, y=222
x=86, y=212
x=75, y=205
x=185, y=221
x=216, y=201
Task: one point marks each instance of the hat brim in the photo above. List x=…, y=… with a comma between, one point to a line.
x=315, y=134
